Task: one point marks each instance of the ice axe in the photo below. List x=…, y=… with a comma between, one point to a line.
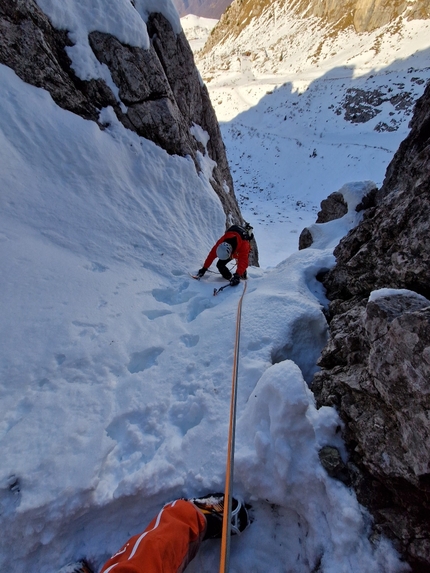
x=218, y=290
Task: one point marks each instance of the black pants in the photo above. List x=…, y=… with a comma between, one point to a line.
x=225, y=272
x=222, y=267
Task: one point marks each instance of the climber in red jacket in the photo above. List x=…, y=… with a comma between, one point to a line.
x=234, y=244
x=173, y=538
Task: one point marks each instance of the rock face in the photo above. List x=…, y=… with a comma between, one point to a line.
x=376, y=365
x=334, y=207
x=364, y=15
x=371, y=14
x=367, y=15
x=160, y=93
x=391, y=247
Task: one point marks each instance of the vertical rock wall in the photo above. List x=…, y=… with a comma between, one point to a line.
x=160, y=92
x=376, y=365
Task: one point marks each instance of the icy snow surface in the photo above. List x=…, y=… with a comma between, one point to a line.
x=115, y=365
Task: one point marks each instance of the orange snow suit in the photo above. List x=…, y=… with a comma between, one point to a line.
x=167, y=545
x=241, y=253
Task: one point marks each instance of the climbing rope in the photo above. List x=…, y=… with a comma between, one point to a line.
x=226, y=524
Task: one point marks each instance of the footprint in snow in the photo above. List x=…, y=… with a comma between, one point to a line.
x=90, y=329
x=189, y=340
x=172, y=296
x=153, y=314
x=143, y=360
x=187, y=415
x=96, y=267
x=180, y=295
x=138, y=438
x=60, y=358
x=198, y=305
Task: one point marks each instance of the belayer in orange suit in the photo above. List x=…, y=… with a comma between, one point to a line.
x=234, y=244
x=173, y=538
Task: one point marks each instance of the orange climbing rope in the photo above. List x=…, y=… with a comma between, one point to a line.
x=226, y=524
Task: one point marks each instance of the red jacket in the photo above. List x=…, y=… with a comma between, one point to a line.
x=168, y=544
x=241, y=252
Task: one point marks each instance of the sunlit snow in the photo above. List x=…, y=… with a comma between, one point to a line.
x=115, y=365
x=279, y=91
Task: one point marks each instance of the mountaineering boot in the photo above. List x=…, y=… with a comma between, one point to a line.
x=212, y=506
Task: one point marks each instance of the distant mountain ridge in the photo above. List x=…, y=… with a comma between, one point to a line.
x=363, y=15
x=203, y=8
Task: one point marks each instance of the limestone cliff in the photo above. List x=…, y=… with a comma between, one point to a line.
x=364, y=15
x=160, y=93
x=376, y=365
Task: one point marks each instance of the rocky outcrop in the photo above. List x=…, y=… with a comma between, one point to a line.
x=305, y=239
x=36, y=52
x=368, y=15
x=375, y=368
x=375, y=371
x=160, y=93
x=371, y=14
x=363, y=105
x=334, y=207
x=391, y=247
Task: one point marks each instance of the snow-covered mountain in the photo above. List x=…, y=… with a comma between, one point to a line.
x=197, y=30
x=317, y=103
x=362, y=15
x=204, y=8
x=297, y=94
x=115, y=365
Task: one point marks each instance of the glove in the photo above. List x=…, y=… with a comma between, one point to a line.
x=201, y=272
x=235, y=280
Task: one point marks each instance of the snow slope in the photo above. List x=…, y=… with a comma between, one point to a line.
x=115, y=365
